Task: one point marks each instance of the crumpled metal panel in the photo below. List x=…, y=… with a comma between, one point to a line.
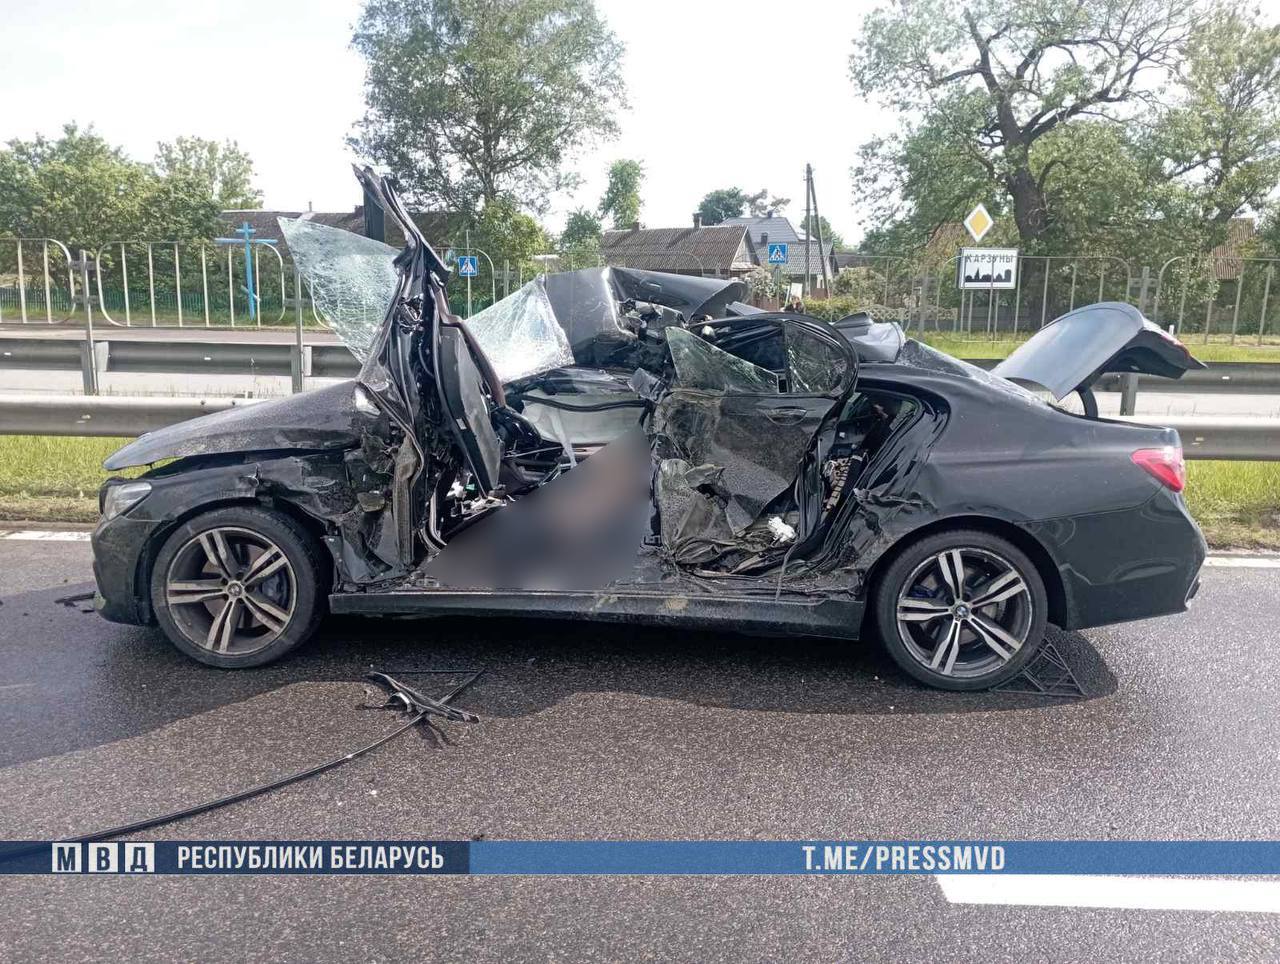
x=333, y=417
x=520, y=334
x=757, y=444
x=927, y=358
x=350, y=278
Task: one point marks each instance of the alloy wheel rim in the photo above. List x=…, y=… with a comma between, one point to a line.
x=964, y=612
x=231, y=591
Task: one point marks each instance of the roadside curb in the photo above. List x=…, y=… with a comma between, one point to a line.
x=26, y=525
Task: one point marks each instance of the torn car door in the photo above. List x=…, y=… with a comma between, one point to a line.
x=735, y=442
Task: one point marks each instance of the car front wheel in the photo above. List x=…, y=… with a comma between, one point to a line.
x=961, y=610
x=239, y=586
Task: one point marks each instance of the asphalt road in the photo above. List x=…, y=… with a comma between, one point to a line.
x=615, y=732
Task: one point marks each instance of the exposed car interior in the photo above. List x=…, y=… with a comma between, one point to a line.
x=756, y=432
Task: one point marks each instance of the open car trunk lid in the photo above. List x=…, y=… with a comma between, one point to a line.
x=1075, y=350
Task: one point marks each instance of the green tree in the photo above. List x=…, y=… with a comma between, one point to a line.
x=76, y=188
x=85, y=192
x=581, y=227
x=763, y=202
x=472, y=100
x=504, y=232
x=829, y=235
x=621, y=200
x=1221, y=137
x=725, y=202
x=988, y=83
x=223, y=171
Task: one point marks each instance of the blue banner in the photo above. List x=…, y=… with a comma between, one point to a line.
x=658, y=857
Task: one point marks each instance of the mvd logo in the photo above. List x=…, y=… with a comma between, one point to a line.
x=104, y=858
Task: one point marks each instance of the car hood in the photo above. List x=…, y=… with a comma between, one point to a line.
x=334, y=417
x=1111, y=336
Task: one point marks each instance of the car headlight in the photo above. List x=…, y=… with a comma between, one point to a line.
x=123, y=497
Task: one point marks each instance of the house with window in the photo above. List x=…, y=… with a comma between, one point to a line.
x=773, y=229
x=717, y=251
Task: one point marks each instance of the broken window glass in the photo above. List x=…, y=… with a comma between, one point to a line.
x=813, y=365
x=350, y=278
x=702, y=366
x=520, y=334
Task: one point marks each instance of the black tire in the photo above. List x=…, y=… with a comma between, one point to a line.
x=245, y=607
x=913, y=605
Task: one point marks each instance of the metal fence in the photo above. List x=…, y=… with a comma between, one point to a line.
x=167, y=283
x=1230, y=296
x=158, y=283
x=43, y=280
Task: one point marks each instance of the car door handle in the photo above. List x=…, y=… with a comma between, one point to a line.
x=787, y=416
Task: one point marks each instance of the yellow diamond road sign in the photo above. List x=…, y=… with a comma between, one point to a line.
x=978, y=223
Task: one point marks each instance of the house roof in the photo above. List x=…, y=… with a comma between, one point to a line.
x=1228, y=264
x=714, y=248
x=433, y=224
x=778, y=229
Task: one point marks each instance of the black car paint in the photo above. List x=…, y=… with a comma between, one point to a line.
x=1110, y=541
x=1062, y=486
x=329, y=418
x=1074, y=351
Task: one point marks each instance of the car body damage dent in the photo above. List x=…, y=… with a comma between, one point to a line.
x=343, y=492
x=636, y=446
x=330, y=418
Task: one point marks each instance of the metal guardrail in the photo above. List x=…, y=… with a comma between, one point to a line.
x=1203, y=437
x=178, y=357
x=224, y=357
x=122, y=416
x=1212, y=437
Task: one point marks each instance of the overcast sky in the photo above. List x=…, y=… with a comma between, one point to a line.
x=722, y=93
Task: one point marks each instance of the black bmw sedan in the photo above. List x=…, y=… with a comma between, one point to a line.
x=625, y=445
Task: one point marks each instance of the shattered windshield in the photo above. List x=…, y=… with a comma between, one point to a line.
x=350, y=278
x=520, y=334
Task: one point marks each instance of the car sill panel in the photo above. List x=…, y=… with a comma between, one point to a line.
x=806, y=617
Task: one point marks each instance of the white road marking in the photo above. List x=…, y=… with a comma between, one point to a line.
x=42, y=535
x=1244, y=562
x=1130, y=893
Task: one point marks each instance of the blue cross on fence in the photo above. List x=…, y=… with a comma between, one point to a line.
x=246, y=232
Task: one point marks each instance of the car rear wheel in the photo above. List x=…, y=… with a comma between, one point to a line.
x=239, y=587
x=961, y=610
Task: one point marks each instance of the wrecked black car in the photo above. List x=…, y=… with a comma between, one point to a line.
x=617, y=444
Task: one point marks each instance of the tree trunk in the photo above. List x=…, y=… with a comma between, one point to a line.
x=1029, y=210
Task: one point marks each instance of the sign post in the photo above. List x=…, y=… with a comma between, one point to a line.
x=978, y=223
x=986, y=269
x=468, y=267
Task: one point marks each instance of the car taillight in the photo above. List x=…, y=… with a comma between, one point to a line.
x=1165, y=463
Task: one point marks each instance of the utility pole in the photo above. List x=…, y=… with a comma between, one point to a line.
x=817, y=224
x=468, y=249
x=808, y=192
